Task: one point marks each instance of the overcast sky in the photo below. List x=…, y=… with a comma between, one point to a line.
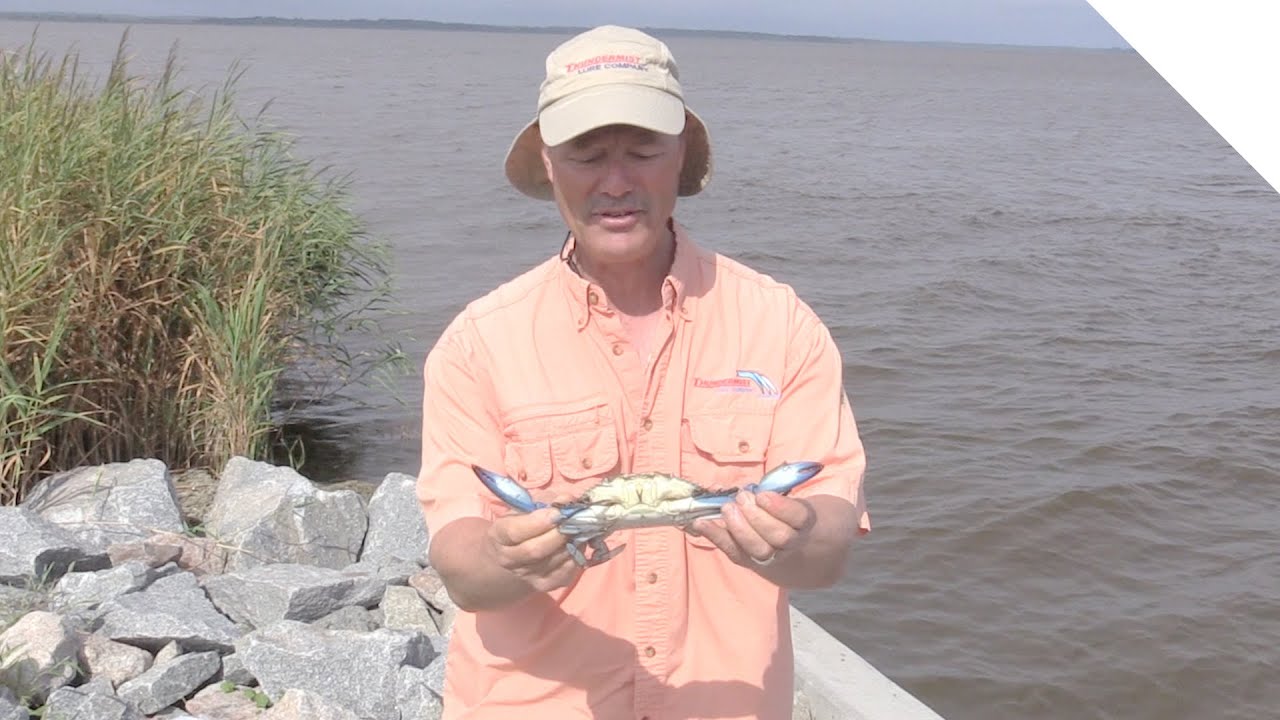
x=1019, y=22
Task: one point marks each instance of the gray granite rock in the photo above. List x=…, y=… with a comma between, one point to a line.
x=354, y=669
x=261, y=595
x=38, y=551
x=415, y=696
x=172, y=608
x=91, y=589
x=269, y=514
x=118, y=502
x=10, y=708
x=396, y=525
x=168, y=682
x=91, y=701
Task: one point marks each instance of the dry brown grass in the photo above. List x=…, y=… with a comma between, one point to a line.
x=161, y=264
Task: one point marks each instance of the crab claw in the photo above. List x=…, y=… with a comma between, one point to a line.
x=508, y=490
x=786, y=477
x=513, y=494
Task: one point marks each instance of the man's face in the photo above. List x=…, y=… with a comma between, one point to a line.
x=616, y=188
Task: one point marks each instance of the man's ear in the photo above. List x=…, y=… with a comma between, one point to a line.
x=546, y=162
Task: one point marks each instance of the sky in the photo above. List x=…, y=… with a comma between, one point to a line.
x=1071, y=23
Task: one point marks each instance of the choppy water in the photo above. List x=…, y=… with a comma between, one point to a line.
x=1054, y=286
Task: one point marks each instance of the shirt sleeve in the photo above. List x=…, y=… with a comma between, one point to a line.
x=814, y=419
x=459, y=428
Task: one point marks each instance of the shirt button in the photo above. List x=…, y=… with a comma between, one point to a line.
x=617, y=349
x=647, y=424
x=653, y=578
x=586, y=462
x=650, y=652
x=523, y=476
x=743, y=446
x=593, y=298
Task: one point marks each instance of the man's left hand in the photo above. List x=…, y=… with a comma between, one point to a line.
x=755, y=528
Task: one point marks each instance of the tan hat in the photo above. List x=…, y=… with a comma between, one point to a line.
x=605, y=76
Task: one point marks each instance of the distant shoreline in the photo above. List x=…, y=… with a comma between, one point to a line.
x=407, y=24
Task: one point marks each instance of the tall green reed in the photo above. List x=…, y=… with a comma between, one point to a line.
x=162, y=262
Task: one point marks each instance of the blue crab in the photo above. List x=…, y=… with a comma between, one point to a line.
x=637, y=500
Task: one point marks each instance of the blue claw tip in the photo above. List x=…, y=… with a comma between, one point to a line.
x=508, y=490
x=786, y=477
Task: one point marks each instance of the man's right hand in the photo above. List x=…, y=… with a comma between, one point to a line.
x=490, y=565
x=531, y=547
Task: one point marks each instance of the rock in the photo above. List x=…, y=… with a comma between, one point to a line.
x=168, y=682
x=119, y=502
x=305, y=705
x=168, y=652
x=37, y=551
x=428, y=583
x=215, y=702
x=359, y=671
x=172, y=608
x=94, y=699
x=117, y=663
x=434, y=674
x=269, y=514
x=147, y=552
x=198, y=555
x=88, y=590
x=173, y=713
x=40, y=654
x=234, y=671
x=174, y=617
x=415, y=695
x=397, y=528
x=349, y=618
x=16, y=602
x=264, y=594
x=10, y=708
x=404, y=609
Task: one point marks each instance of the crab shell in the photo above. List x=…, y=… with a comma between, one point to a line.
x=638, y=500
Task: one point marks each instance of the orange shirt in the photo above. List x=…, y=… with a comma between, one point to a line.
x=537, y=381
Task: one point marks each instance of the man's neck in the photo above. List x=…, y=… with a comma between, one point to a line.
x=634, y=289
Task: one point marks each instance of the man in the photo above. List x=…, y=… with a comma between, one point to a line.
x=632, y=350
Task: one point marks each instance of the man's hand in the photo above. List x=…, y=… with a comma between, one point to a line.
x=489, y=565
x=793, y=542
x=530, y=547
x=755, y=528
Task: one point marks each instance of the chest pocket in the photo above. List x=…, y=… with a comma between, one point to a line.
x=561, y=447
x=723, y=448
x=720, y=449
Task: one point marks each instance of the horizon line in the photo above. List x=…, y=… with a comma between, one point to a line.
x=410, y=23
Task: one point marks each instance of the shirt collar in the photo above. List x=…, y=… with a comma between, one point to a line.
x=585, y=297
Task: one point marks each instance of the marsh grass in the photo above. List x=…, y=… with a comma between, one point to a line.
x=162, y=263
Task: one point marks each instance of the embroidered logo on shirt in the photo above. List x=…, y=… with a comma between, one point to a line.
x=747, y=381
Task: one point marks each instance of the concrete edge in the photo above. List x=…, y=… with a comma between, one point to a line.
x=840, y=685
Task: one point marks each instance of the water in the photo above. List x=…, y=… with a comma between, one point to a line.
x=1052, y=282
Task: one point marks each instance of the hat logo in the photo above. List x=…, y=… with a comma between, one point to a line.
x=606, y=62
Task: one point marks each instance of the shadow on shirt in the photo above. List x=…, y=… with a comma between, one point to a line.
x=531, y=637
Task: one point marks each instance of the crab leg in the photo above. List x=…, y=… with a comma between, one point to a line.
x=785, y=478
x=516, y=496
x=508, y=490
x=782, y=479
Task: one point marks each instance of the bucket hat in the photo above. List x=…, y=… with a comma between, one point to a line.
x=605, y=76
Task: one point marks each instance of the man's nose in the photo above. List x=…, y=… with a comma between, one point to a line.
x=617, y=177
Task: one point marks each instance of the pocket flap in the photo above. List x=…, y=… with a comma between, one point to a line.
x=731, y=437
x=586, y=453
x=529, y=463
